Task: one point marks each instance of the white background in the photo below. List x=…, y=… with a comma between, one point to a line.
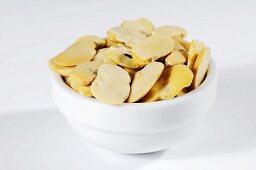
x=34, y=135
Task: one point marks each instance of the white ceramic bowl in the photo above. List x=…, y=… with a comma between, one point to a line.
x=137, y=127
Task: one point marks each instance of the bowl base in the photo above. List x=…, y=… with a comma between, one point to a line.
x=132, y=143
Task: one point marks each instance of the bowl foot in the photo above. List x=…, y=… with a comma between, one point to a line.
x=131, y=143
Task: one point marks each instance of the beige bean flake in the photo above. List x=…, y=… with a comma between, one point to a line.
x=76, y=54
x=119, y=56
x=195, y=48
x=142, y=24
x=178, y=46
x=112, y=84
x=85, y=90
x=171, y=31
x=182, y=42
x=100, y=42
x=144, y=80
x=124, y=35
x=170, y=83
x=103, y=57
x=111, y=43
x=152, y=48
x=176, y=57
x=84, y=73
x=61, y=70
x=201, y=66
